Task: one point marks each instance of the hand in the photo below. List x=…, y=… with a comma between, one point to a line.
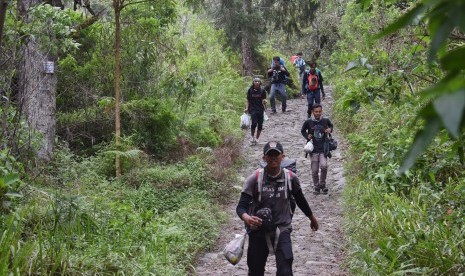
x=313, y=223
x=246, y=110
x=328, y=130
x=252, y=221
x=309, y=137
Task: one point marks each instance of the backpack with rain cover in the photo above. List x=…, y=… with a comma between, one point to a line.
x=312, y=82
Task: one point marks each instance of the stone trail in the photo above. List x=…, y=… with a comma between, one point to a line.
x=315, y=253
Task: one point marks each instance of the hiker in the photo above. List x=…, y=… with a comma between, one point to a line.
x=312, y=85
x=255, y=106
x=266, y=212
x=278, y=74
x=317, y=129
x=299, y=62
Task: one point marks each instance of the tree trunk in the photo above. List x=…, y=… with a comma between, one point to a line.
x=247, y=62
x=37, y=89
x=117, y=7
x=3, y=6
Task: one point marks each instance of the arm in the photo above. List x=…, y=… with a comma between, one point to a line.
x=241, y=210
x=305, y=131
x=304, y=83
x=303, y=205
x=248, y=101
x=264, y=97
x=329, y=127
x=320, y=83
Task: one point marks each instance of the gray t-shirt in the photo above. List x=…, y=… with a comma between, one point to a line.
x=279, y=205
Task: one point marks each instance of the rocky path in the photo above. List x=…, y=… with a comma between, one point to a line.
x=315, y=253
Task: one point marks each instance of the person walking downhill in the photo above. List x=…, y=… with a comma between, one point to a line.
x=278, y=73
x=255, y=106
x=264, y=206
x=317, y=129
x=312, y=85
x=299, y=63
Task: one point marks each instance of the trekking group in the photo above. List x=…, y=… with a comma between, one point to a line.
x=270, y=193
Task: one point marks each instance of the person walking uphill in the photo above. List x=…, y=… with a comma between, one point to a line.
x=312, y=85
x=278, y=73
x=255, y=106
x=264, y=206
x=317, y=130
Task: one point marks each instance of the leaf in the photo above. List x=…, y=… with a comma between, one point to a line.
x=351, y=65
x=11, y=178
x=402, y=21
x=450, y=108
x=422, y=139
x=439, y=36
x=454, y=60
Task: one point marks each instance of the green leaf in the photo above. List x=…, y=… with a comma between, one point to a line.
x=402, y=21
x=11, y=178
x=440, y=35
x=454, y=60
x=422, y=139
x=450, y=109
x=352, y=64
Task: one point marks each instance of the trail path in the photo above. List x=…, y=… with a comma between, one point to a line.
x=315, y=253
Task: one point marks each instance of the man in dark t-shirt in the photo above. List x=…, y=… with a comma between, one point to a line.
x=317, y=129
x=264, y=207
x=255, y=106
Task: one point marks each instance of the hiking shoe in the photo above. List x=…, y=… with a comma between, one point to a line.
x=324, y=191
x=256, y=141
x=253, y=141
x=316, y=191
x=273, y=111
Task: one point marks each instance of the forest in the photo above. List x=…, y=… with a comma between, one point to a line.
x=120, y=136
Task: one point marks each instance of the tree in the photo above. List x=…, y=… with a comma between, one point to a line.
x=446, y=110
x=3, y=7
x=38, y=83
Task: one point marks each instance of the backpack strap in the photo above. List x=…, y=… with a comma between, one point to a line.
x=287, y=181
x=259, y=179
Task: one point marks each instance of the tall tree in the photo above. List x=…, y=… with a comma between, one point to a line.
x=117, y=6
x=3, y=7
x=37, y=87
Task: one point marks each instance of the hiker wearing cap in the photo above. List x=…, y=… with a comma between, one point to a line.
x=255, y=106
x=264, y=206
x=316, y=129
x=278, y=75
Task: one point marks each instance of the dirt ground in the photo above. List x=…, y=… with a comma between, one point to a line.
x=315, y=253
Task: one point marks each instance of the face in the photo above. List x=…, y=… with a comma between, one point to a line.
x=276, y=63
x=317, y=112
x=256, y=84
x=273, y=159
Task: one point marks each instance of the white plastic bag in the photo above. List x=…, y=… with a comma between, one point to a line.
x=245, y=121
x=308, y=147
x=265, y=116
x=234, y=249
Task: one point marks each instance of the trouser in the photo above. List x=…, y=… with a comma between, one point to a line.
x=281, y=89
x=257, y=119
x=257, y=254
x=313, y=97
x=319, y=162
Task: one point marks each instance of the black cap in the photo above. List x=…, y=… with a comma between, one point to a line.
x=272, y=145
